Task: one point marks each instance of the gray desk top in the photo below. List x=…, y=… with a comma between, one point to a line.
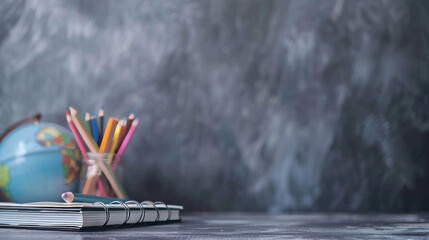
x=260, y=226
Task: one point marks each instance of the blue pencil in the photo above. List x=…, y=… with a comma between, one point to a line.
x=94, y=129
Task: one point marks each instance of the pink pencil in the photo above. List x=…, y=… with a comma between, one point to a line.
x=76, y=136
x=126, y=141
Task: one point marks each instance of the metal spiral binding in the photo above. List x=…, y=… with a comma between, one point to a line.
x=142, y=213
x=151, y=203
x=127, y=210
x=106, y=210
x=168, y=209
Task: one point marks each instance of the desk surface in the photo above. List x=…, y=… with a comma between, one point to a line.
x=261, y=226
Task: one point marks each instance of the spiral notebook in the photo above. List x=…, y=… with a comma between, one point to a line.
x=76, y=216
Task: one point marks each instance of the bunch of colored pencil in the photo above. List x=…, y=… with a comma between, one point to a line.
x=113, y=140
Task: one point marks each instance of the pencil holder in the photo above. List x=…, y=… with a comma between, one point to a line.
x=101, y=186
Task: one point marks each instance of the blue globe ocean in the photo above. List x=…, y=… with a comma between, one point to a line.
x=38, y=162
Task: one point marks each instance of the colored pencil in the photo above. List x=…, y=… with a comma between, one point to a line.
x=77, y=119
x=101, y=189
x=88, y=122
x=108, y=135
x=118, y=131
x=128, y=137
x=81, y=128
x=90, y=183
x=90, y=180
x=77, y=137
x=100, y=125
x=121, y=135
x=120, y=126
x=77, y=197
x=130, y=120
x=94, y=129
x=82, y=148
x=126, y=141
x=74, y=113
x=107, y=187
x=117, y=188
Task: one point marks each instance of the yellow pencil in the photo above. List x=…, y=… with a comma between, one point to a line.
x=118, y=131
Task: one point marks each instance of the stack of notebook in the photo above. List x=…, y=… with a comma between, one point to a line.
x=75, y=216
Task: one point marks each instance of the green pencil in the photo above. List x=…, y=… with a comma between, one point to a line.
x=88, y=122
x=83, y=198
x=73, y=112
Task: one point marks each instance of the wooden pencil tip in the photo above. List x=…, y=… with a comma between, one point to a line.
x=67, y=197
x=87, y=116
x=131, y=116
x=68, y=117
x=101, y=112
x=136, y=122
x=72, y=111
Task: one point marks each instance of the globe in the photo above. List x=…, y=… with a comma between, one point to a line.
x=38, y=162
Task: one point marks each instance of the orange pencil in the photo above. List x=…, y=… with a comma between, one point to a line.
x=90, y=182
x=108, y=135
x=89, y=187
x=111, y=135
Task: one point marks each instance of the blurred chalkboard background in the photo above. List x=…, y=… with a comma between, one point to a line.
x=244, y=105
